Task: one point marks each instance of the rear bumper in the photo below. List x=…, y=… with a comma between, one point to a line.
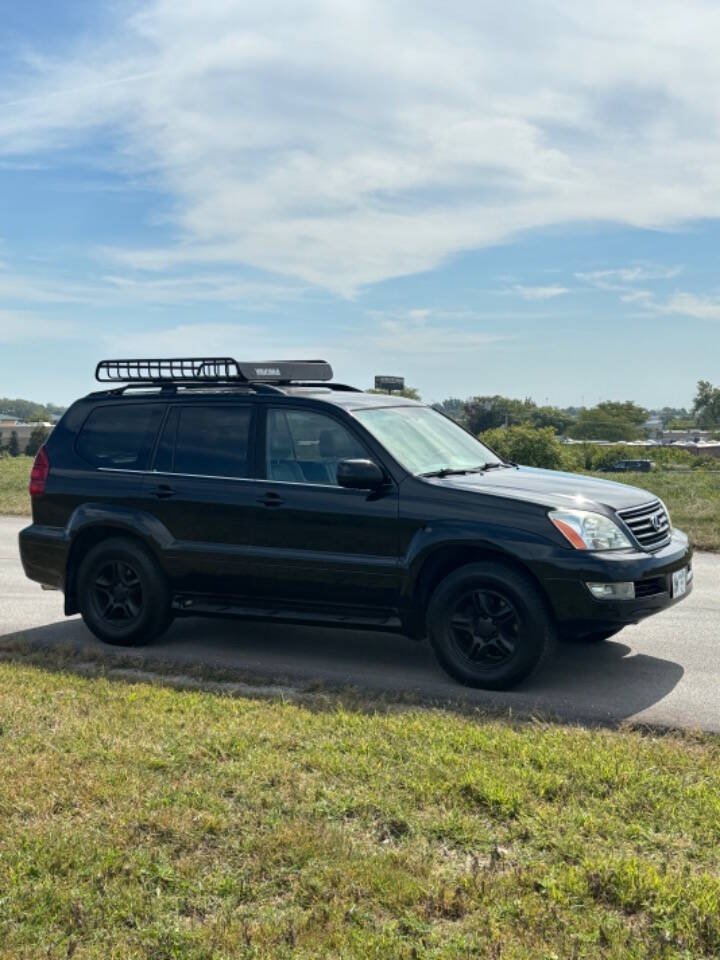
x=44, y=552
x=576, y=608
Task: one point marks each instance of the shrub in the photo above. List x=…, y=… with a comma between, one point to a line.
x=37, y=439
x=527, y=445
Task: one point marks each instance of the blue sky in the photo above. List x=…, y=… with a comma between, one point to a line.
x=482, y=202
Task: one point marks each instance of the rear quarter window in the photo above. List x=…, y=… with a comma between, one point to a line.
x=120, y=436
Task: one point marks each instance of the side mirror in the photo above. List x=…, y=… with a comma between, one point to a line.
x=360, y=475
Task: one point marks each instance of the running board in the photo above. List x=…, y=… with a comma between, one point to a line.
x=343, y=617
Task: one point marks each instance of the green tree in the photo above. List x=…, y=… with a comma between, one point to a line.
x=37, y=439
x=14, y=445
x=553, y=417
x=706, y=405
x=487, y=413
x=28, y=410
x=610, y=421
x=526, y=445
x=410, y=392
x=670, y=415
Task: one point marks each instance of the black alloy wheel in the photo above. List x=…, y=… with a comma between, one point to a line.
x=485, y=627
x=490, y=625
x=123, y=595
x=118, y=594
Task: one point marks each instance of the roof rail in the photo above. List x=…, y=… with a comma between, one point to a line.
x=212, y=370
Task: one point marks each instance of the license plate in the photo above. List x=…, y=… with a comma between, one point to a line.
x=679, y=582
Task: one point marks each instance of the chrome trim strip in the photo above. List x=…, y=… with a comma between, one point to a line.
x=214, y=476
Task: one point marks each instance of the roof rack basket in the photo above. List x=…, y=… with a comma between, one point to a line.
x=212, y=370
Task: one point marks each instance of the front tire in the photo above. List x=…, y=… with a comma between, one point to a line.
x=122, y=593
x=490, y=626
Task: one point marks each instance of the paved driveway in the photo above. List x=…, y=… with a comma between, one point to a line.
x=664, y=671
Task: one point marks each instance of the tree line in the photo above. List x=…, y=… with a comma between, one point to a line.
x=616, y=421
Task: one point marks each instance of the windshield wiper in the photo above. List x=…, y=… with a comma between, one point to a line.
x=452, y=471
x=456, y=471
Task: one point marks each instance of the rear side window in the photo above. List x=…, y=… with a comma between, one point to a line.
x=120, y=436
x=207, y=441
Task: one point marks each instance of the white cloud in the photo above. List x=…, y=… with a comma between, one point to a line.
x=637, y=296
x=428, y=335
x=540, y=293
x=690, y=305
x=346, y=143
x=112, y=290
x=620, y=278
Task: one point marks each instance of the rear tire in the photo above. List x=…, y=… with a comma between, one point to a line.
x=123, y=595
x=490, y=626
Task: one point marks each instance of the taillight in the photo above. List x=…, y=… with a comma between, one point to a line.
x=39, y=473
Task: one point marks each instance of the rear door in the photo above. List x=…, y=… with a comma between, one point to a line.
x=320, y=545
x=202, y=489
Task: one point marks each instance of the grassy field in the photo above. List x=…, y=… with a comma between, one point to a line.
x=693, y=499
x=14, y=479
x=139, y=821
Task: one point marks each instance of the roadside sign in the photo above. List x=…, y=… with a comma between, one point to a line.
x=390, y=383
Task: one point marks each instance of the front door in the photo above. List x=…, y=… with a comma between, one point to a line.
x=322, y=546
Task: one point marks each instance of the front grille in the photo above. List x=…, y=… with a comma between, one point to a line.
x=649, y=587
x=649, y=524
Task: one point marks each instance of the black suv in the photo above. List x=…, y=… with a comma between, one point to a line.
x=213, y=487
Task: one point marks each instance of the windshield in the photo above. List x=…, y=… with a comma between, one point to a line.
x=424, y=441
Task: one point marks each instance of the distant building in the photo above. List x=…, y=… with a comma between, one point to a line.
x=691, y=435
x=10, y=425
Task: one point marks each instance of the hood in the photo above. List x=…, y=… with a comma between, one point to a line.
x=551, y=488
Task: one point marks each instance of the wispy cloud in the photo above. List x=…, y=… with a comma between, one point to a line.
x=429, y=336
x=344, y=144
x=28, y=286
x=620, y=278
x=540, y=293
x=689, y=305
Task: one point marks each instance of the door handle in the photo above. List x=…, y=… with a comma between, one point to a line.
x=271, y=500
x=162, y=491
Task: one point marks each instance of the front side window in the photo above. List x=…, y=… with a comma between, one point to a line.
x=306, y=447
x=424, y=441
x=211, y=441
x=120, y=436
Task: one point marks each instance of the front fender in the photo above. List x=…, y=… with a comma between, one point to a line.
x=459, y=539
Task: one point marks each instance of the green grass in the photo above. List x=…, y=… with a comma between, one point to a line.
x=14, y=479
x=693, y=499
x=138, y=821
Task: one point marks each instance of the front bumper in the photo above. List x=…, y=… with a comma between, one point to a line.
x=576, y=608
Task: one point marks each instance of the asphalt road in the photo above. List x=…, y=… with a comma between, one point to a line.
x=664, y=672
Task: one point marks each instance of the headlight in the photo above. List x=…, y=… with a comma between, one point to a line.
x=586, y=530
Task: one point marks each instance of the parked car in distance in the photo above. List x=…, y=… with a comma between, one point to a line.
x=630, y=466
x=264, y=490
